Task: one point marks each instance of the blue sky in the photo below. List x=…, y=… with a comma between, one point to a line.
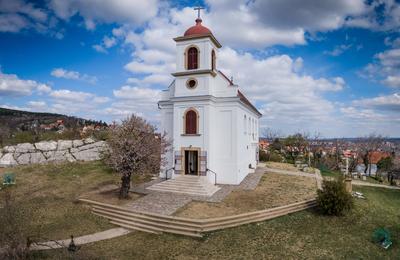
x=331, y=66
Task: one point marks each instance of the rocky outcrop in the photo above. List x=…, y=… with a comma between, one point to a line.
x=52, y=151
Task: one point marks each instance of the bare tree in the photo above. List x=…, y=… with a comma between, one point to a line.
x=295, y=145
x=367, y=146
x=271, y=134
x=135, y=148
x=313, y=147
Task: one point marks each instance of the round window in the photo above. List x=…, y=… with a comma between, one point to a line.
x=191, y=83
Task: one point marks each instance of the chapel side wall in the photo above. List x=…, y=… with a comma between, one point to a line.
x=223, y=156
x=247, y=144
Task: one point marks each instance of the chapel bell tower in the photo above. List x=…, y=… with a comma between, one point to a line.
x=196, y=59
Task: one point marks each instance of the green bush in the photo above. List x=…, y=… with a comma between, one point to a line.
x=274, y=157
x=263, y=156
x=333, y=199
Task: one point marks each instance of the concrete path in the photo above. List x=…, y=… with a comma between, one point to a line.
x=111, y=233
x=362, y=183
x=160, y=203
x=167, y=203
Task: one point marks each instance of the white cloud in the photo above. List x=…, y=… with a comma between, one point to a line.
x=309, y=14
x=392, y=81
x=338, y=50
x=138, y=94
x=12, y=23
x=285, y=94
x=109, y=41
x=11, y=85
x=106, y=43
x=37, y=105
x=62, y=73
x=105, y=11
x=18, y=15
x=99, y=48
x=77, y=96
x=74, y=75
x=43, y=89
x=388, y=102
x=65, y=94
x=385, y=68
x=141, y=101
x=380, y=15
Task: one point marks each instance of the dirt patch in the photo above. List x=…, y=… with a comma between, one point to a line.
x=273, y=190
x=109, y=194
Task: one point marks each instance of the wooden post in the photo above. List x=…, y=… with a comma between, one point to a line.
x=348, y=178
x=347, y=183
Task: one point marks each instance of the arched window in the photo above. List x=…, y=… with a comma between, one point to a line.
x=212, y=60
x=192, y=58
x=191, y=122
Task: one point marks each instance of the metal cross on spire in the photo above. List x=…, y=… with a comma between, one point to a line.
x=198, y=8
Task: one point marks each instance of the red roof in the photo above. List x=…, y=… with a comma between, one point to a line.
x=198, y=29
x=230, y=81
x=376, y=156
x=247, y=102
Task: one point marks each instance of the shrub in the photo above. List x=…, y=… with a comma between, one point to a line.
x=333, y=199
x=263, y=156
x=274, y=157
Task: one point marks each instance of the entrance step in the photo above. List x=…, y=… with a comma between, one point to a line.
x=192, y=185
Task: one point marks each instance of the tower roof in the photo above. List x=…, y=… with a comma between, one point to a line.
x=197, y=29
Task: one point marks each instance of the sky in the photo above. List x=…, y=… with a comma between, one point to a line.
x=331, y=67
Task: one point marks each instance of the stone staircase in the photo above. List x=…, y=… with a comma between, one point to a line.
x=186, y=184
x=157, y=223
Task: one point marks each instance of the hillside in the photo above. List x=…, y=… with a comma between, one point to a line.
x=17, y=126
x=18, y=120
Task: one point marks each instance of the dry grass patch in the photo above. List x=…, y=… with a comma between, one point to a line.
x=281, y=166
x=273, y=190
x=50, y=192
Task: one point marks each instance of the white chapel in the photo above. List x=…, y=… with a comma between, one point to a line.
x=213, y=127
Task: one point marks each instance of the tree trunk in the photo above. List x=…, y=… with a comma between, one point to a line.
x=366, y=162
x=125, y=186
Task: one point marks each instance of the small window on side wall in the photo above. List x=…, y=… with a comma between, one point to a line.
x=213, y=59
x=191, y=123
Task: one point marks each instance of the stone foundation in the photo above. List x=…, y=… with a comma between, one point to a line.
x=52, y=151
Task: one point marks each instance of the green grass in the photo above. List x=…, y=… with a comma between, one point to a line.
x=330, y=173
x=303, y=235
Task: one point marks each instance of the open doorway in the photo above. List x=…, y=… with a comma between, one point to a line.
x=191, y=162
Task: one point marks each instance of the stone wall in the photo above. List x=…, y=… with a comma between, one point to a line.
x=51, y=151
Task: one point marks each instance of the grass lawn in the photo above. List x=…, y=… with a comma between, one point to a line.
x=48, y=194
x=303, y=235
x=329, y=173
x=273, y=190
